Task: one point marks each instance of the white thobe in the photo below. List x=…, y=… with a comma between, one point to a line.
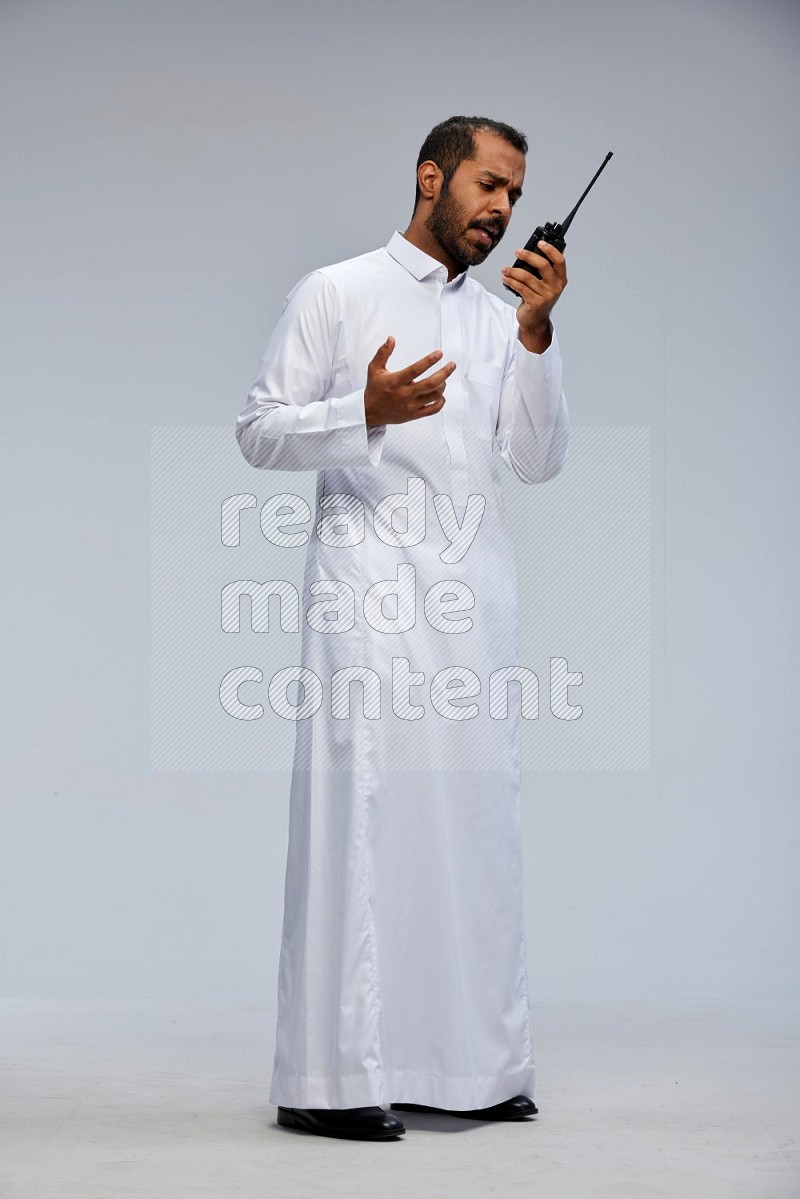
x=402, y=973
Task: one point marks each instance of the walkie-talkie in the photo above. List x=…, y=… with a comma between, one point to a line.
x=553, y=234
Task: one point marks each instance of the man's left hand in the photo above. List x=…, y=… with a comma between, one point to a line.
x=538, y=295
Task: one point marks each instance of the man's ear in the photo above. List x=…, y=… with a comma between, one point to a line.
x=429, y=179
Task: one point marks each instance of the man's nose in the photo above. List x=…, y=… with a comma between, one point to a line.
x=502, y=206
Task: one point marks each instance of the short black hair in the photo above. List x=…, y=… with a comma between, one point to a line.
x=451, y=141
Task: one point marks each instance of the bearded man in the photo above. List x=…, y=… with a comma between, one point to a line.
x=403, y=382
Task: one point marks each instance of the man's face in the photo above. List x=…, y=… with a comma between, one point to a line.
x=470, y=216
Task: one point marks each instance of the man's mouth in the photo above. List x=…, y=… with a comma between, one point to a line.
x=487, y=235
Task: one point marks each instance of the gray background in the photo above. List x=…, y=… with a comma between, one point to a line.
x=170, y=172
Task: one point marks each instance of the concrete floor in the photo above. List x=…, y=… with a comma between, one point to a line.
x=636, y=1100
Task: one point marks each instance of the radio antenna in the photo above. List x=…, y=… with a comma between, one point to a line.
x=565, y=224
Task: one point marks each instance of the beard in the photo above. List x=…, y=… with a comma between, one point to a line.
x=448, y=223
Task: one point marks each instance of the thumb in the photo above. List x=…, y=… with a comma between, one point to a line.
x=384, y=353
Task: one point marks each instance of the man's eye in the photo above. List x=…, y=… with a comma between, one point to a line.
x=489, y=186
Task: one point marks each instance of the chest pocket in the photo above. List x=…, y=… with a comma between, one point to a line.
x=484, y=381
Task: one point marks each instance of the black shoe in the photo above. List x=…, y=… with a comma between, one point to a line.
x=511, y=1109
x=356, y=1123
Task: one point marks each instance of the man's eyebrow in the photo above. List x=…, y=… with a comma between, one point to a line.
x=495, y=178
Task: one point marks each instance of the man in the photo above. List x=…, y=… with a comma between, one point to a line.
x=403, y=383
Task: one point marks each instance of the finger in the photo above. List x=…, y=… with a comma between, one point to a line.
x=524, y=280
x=557, y=260
x=383, y=353
x=409, y=373
x=431, y=405
x=538, y=260
x=555, y=256
x=424, y=401
x=433, y=382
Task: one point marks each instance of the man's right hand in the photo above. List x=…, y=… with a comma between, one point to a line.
x=392, y=397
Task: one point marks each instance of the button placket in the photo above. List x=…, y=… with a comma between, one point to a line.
x=455, y=395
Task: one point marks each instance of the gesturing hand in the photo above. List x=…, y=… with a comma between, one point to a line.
x=392, y=397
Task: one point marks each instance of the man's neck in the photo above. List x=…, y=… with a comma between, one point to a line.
x=424, y=240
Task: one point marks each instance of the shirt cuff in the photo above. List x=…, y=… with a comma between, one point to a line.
x=539, y=378
x=367, y=443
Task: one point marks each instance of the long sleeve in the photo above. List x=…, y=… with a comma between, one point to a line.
x=533, y=421
x=294, y=419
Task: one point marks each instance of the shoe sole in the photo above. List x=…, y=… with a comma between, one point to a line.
x=438, y=1111
x=293, y=1120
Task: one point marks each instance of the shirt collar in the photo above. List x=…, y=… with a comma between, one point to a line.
x=417, y=262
